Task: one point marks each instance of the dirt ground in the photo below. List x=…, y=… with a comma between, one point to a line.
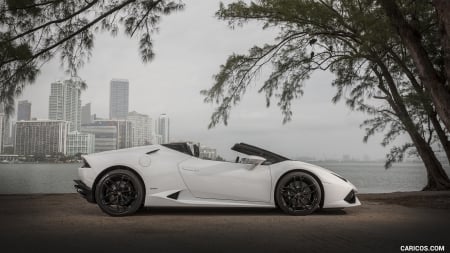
x=67, y=223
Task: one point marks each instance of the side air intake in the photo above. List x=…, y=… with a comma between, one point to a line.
x=174, y=195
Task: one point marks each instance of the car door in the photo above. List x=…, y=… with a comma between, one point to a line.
x=226, y=180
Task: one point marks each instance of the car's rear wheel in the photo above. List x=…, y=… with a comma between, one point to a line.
x=119, y=193
x=298, y=193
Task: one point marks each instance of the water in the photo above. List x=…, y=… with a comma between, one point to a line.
x=37, y=178
x=369, y=177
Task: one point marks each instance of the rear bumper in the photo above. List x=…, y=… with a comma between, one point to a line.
x=84, y=191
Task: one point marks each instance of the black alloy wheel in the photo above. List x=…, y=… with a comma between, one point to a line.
x=119, y=193
x=298, y=193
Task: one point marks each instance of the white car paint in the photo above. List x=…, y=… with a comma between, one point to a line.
x=209, y=183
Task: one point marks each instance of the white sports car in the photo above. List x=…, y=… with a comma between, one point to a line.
x=122, y=181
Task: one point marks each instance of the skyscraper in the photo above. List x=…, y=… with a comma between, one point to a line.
x=80, y=143
x=118, y=99
x=86, y=114
x=23, y=110
x=2, y=127
x=142, y=128
x=110, y=134
x=164, y=128
x=6, y=132
x=41, y=137
x=65, y=103
x=105, y=135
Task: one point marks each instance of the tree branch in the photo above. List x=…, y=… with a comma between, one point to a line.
x=54, y=21
x=87, y=26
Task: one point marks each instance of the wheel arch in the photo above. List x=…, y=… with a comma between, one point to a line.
x=307, y=172
x=115, y=167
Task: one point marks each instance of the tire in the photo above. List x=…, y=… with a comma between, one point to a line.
x=119, y=193
x=298, y=193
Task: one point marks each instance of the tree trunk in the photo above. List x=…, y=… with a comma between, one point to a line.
x=437, y=178
x=441, y=135
x=428, y=106
x=436, y=175
x=440, y=94
x=443, y=11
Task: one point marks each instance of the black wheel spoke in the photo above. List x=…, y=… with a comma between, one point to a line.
x=299, y=194
x=118, y=193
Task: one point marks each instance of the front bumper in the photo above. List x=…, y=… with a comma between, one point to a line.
x=84, y=191
x=340, y=195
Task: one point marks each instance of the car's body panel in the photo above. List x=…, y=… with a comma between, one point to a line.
x=173, y=178
x=226, y=181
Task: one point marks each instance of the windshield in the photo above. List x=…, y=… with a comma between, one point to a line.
x=253, y=150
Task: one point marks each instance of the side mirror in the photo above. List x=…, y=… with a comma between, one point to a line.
x=256, y=160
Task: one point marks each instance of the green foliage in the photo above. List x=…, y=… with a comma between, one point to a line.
x=353, y=40
x=314, y=35
x=396, y=154
x=35, y=31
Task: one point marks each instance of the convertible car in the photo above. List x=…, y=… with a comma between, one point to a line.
x=123, y=181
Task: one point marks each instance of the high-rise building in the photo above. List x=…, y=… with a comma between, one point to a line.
x=80, y=143
x=7, y=141
x=65, y=103
x=2, y=126
x=5, y=130
x=13, y=132
x=208, y=153
x=110, y=134
x=157, y=139
x=164, y=128
x=86, y=117
x=142, y=128
x=118, y=99
x=23, y=110
x=40, y=137
x=105, y=135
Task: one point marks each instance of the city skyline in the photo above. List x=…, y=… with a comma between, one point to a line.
x=158, y=138
x=172, y=81
x=159, y=135
x=71, y=129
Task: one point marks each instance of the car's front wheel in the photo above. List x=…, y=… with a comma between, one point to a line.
x=298, y=193
x=119, y=193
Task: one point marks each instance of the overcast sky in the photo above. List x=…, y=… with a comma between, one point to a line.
x=189, y=49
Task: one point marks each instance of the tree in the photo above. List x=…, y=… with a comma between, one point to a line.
x=353, y=40
x=435, y=80
x=35, y=31
x=38, y=157
x=78, y=156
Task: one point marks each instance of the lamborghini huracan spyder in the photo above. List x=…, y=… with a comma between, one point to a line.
x=122, y=181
